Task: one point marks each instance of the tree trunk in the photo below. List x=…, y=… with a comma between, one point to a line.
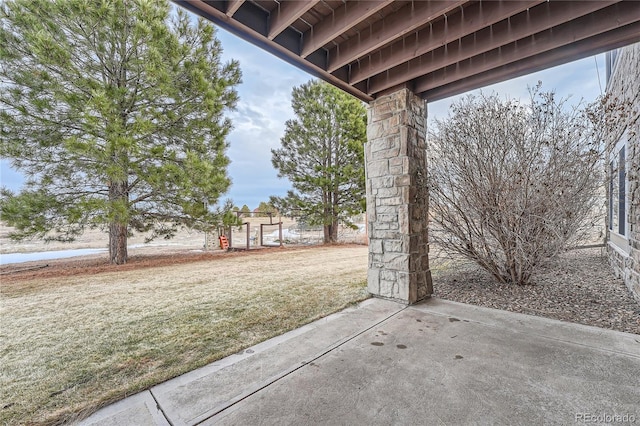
x=334, y=231
x=330, y=213
x=334, y=212
x=325, y=215
x=118, y=243
x=118, y=227
x=331, y=232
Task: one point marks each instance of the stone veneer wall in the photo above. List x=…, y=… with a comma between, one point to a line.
x=625, y=84
x=397, y=198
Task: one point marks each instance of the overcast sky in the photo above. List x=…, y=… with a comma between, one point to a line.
x=265, y=105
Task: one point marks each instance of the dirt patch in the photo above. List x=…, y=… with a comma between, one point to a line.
x=97, y=264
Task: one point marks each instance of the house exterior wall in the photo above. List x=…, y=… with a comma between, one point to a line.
x=623, y=244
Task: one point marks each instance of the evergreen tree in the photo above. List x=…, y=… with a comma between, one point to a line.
x=322, y=154
x=114, y=112
x=265, y=208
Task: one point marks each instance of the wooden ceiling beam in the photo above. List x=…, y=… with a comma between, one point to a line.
x=408, y=18
x=620, y=37
x=518, y=27
x=470, y=19
x=609, y=28
x=343, y=18
x=286, y=14
x=594, y=26
x=217, y=16
x=233, y=6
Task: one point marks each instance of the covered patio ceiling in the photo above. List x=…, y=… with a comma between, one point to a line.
x=436, y=49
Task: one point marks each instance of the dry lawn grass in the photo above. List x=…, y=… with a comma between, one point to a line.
x=72, y=344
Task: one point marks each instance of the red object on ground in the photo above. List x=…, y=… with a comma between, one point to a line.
x=224, y=243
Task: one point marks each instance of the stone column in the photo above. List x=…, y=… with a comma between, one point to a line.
x=397, y=198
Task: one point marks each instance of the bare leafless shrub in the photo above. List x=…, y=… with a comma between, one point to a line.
x=512, y=184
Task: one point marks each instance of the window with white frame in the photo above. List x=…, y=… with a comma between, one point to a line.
x=618, y=189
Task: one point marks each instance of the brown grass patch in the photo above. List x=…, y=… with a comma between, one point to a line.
x=74, y=341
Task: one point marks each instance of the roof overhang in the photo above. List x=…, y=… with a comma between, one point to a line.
x=436, y=49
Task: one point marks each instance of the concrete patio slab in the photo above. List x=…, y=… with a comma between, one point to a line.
x=200, y=394
x=437, y=362
x=140, y=409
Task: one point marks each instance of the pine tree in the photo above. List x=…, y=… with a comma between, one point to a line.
x=114, y=112
x=322, y=154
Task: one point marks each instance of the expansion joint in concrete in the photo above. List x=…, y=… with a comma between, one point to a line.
x=274, y=379
x=159, y=407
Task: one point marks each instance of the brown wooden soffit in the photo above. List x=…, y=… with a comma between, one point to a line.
x=435, y=48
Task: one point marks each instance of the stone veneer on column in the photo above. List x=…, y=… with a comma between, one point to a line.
x=397, y=198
